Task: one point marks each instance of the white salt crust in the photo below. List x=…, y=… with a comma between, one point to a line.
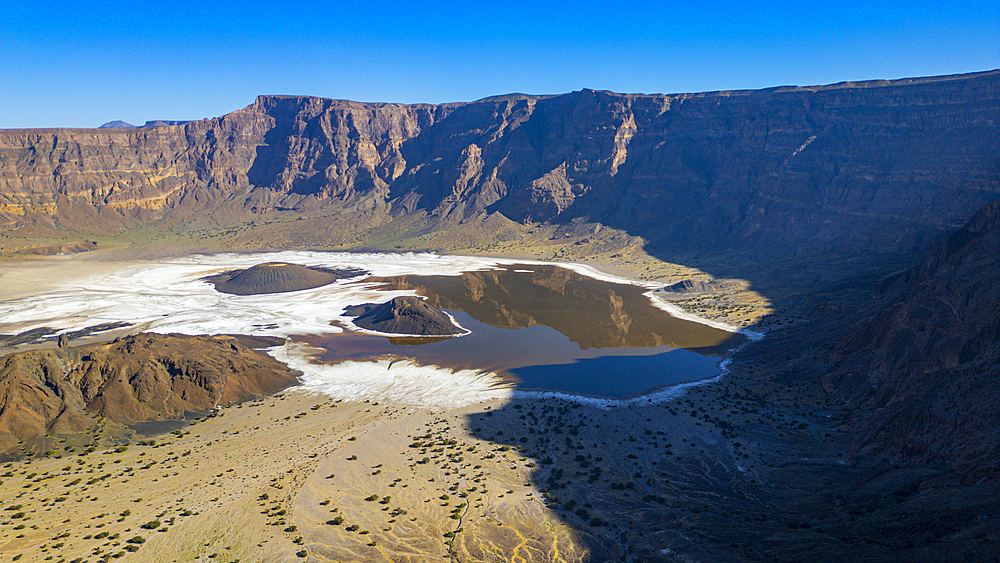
x=168, y=296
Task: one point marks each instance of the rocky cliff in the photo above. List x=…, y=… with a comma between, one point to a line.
x=65, y=391
x=887, y=166
x=923, y=372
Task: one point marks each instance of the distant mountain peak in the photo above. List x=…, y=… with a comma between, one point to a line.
x=118, y=124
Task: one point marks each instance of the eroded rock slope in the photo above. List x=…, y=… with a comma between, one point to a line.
x=884, y=166
x=924, y=370
x=55, y=393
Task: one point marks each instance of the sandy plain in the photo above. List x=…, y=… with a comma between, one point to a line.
x=300, y=476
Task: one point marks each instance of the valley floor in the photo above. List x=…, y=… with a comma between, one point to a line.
x=299, y=475
x=726, y=472
x=750, y=468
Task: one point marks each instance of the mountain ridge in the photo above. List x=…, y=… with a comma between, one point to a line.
x=858, y=168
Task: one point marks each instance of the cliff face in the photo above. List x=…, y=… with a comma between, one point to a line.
x=858, y=168
x=329, y=152
x=134, y=379
x=923, y=373
x=112, y=177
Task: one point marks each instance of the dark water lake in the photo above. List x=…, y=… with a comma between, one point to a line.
x=548, y=328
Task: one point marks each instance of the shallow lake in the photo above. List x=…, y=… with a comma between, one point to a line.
x=547, y=328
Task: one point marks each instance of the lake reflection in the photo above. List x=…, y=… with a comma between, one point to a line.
x=546, y=327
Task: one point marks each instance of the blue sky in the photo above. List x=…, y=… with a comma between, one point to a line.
x=81, y=64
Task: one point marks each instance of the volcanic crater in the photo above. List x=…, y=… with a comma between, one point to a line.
x=277, y=277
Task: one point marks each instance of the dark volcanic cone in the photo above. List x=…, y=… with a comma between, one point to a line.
x=276, y=277
x=407, y=315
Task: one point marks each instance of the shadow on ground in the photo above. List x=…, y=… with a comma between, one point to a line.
x=754, y=467
x=725, y=474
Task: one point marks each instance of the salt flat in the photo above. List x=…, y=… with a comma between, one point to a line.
x=223, y=492
x=169, y=296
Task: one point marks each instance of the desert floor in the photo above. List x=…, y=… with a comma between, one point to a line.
x=299, y=476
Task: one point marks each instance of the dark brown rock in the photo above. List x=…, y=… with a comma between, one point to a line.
x=697, y=286
x=924, y=371
x=276, y=277
x=406, y=316
x=133, y=379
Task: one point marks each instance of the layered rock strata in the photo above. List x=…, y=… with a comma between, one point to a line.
x=856, y=168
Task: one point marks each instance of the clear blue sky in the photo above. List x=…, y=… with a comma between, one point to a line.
x=80, y=64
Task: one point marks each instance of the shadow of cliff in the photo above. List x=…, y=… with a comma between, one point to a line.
x=634, y=484
x=269, y=162
x=755, y=467
x=729, y=474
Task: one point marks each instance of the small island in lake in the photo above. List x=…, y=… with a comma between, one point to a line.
x=404, y=315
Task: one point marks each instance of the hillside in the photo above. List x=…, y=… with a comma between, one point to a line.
x=924, y=371
x=852, y=168
x=67, y=393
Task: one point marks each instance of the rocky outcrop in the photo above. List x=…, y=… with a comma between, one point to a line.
x=104, y=179
x=406, y=315
x=117, y=124
x=855, y=168
x=139, y=378
x=923, y=373
x=693, y=287
x=276, y=277
x=53, y=249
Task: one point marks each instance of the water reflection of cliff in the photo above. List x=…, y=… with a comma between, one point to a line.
x=591, y=313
